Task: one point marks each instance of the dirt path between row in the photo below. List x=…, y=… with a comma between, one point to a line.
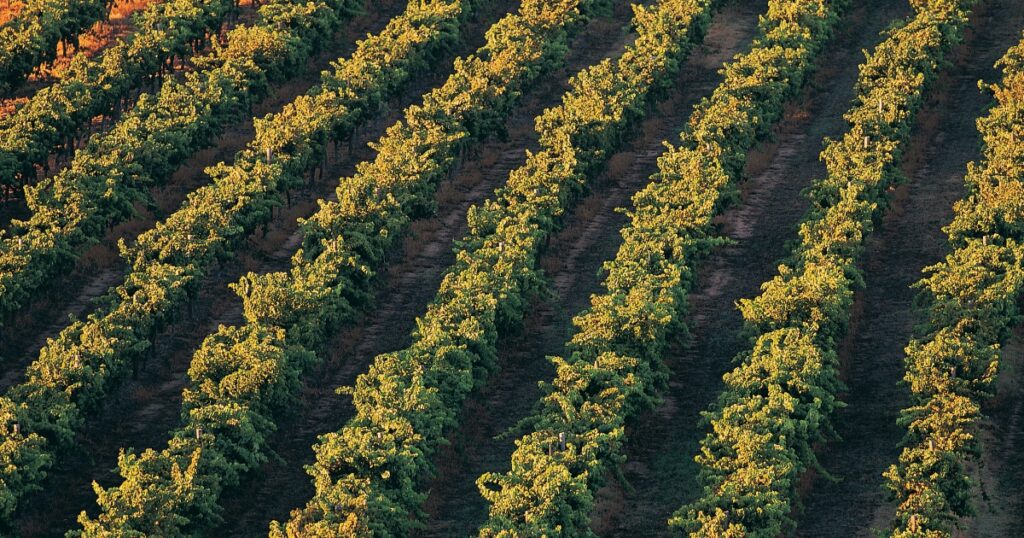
x=909, y=238
x=660, y=471
x=1000, y=500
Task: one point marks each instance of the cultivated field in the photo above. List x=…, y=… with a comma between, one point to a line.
x=709, y=268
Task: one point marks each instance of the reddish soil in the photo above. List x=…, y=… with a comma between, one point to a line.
x=908, y=239
x=660, y=474
x=92, y=42
x=571, y=262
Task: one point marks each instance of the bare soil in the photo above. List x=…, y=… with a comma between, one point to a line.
x=1000, y=500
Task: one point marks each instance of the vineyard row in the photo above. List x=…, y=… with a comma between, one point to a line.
x=73, y=372
x=115, y=169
